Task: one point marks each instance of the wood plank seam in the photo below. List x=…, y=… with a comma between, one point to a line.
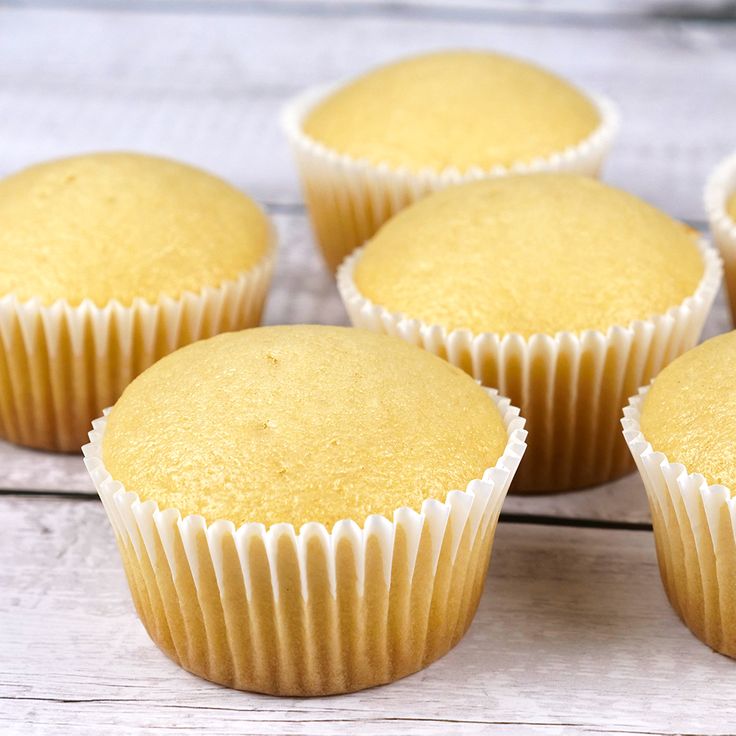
x=664, y=14
x=505, y=517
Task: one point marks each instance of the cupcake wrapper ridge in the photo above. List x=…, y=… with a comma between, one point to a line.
x=349, y=199
x=313, y=612
x=60, y=365
x=695, y=536
x=571, y=387
x=721, y=185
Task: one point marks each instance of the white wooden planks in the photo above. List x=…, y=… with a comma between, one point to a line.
x=207, y=88
x=573, y=635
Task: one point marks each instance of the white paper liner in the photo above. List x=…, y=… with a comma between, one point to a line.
x=695, y=535
x=349, y=199
x=721, y=186
x=571, y=387
x=313, y=612
x=60, y=365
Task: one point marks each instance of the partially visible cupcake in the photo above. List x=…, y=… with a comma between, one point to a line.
x=720, y=204
x=562, y=292
x=369, y=147
x=682, y=433
x=110, y=261
x=305, y=510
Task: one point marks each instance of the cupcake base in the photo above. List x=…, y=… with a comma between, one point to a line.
x=695, y=536
x=313, y=613
x=280, y=644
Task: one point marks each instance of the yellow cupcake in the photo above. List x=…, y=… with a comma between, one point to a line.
x=459, y=109
x=687, y=418
x=689, y=413
x=379, y=142
x=335, y=432
x=548, y=286
x=720, y=205
x=108, y=262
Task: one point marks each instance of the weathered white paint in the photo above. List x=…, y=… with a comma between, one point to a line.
x=207, y=87
x=573, y=635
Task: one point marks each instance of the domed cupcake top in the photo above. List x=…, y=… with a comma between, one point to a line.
x=298, y=424
x=457, y=108
x=120, y=226
x=689, y=413
x=530, y=254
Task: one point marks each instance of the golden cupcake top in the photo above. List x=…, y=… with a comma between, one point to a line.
x=301, y=423
x=530, y=254
x=731, y=207
x=121, y=225
x=689, y=413
x=455, y=108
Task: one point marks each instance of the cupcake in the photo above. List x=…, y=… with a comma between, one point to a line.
x=370, y=147
x=720, y=204
x=110, y=261
x=682, y=434
x=562, y=292
x=289, y=505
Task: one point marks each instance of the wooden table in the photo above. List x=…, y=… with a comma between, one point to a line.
x=574, y=634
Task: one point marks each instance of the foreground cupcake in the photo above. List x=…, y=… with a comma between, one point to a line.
x=720, y=204
x=368, y=148
x=564, y=293
x=682, y=434
x=214, y=456
x=110, y=261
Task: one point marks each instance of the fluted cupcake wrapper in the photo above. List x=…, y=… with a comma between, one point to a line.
x=695, y=536
x=571, y=387
x=315, y=611
x=60, y=365
x=349, y=199
x=721, y=186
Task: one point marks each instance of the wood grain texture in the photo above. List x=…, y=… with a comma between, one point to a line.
x=573, y=635
x=568, y=11
x=207, y=88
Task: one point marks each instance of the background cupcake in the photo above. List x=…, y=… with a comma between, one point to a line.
x=368, y=148
x=720, y=204
x=241, y=440
x=563, y=292
x=682, y=433
x=110, y=261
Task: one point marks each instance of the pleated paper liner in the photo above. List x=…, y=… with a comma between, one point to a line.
x=313, y=612
x=349, y=199
x=570, y=387
x=721, y=185
x=695, y=536
x=60, y=365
